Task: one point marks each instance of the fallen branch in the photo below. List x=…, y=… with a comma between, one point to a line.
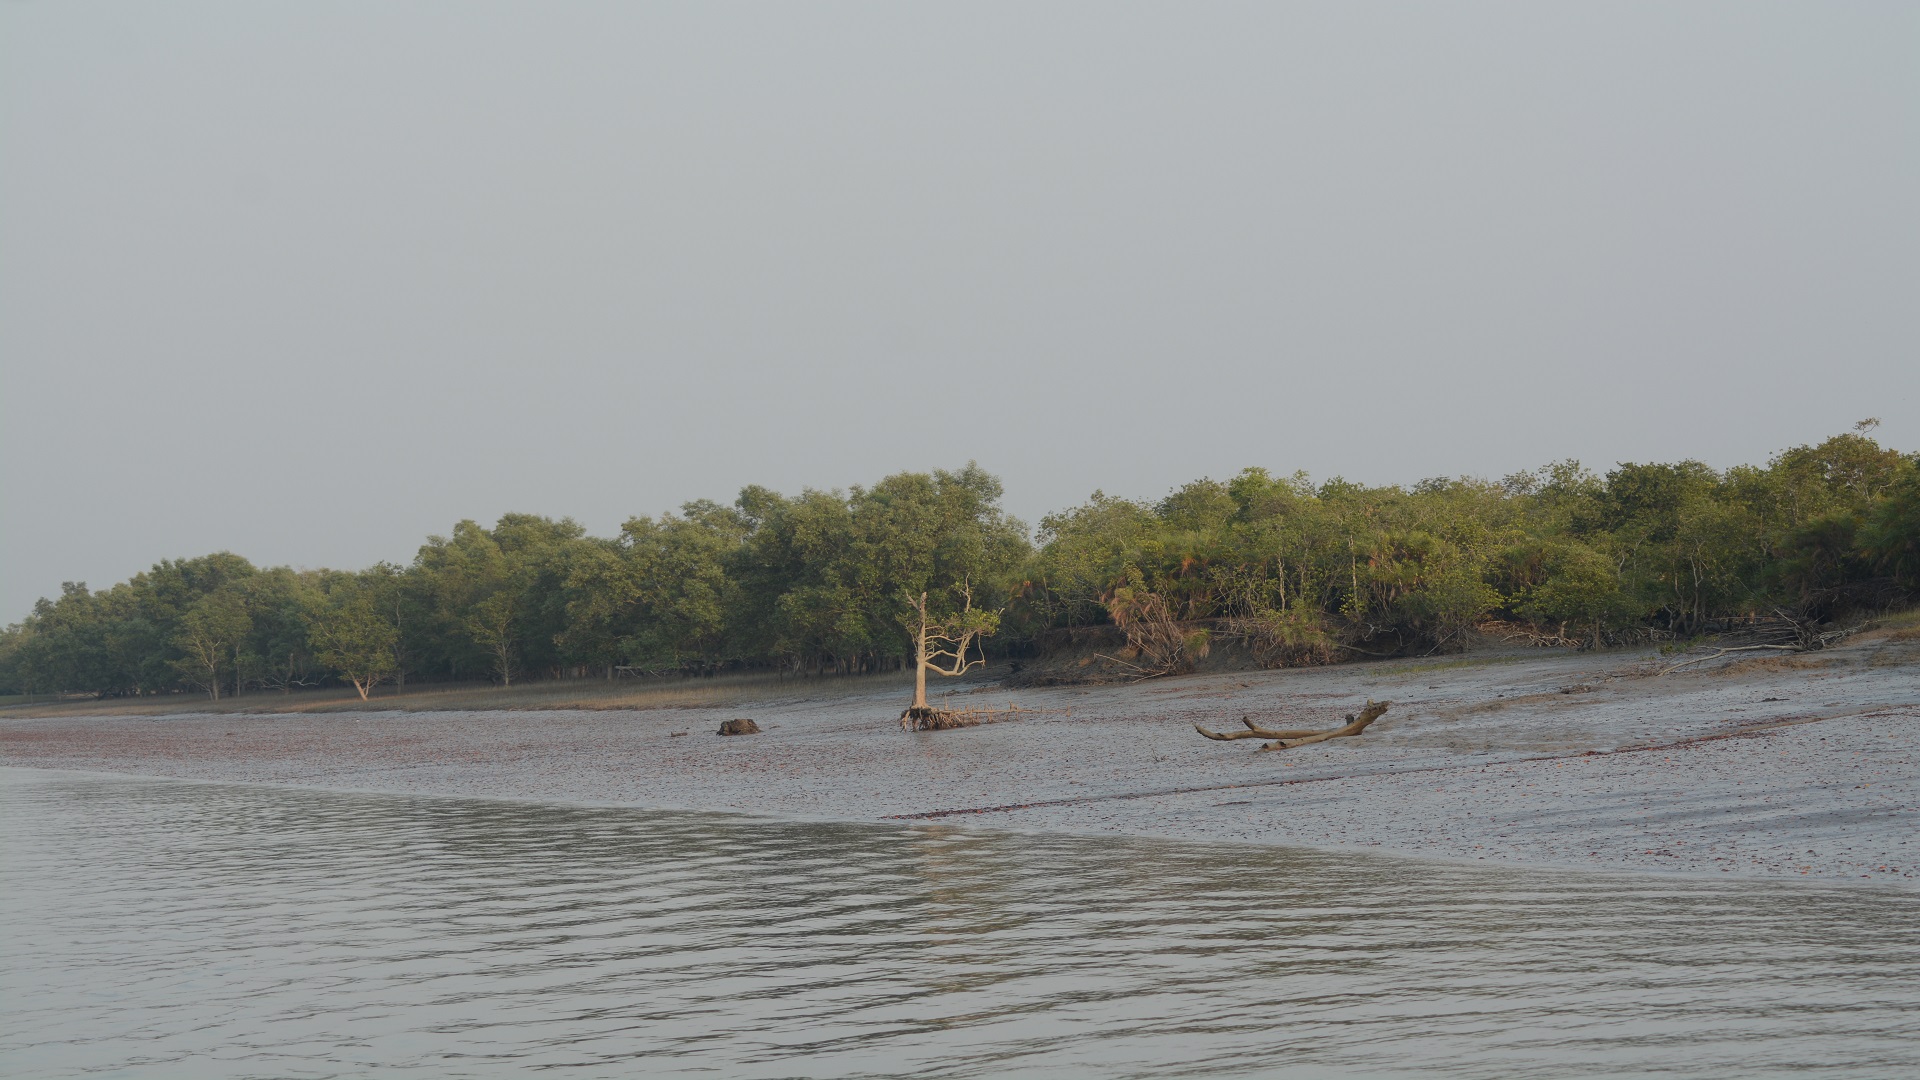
x=1806, y=640
x=1832, y=637
x=1718, y=653
x=1254, y=731
x=1287, y=740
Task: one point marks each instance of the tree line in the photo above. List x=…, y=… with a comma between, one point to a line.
x=827, y=581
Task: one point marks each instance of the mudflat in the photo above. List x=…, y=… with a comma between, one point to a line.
x=1801, y=766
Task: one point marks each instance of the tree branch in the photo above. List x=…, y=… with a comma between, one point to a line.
x=1287, y=740
x=1722, y=652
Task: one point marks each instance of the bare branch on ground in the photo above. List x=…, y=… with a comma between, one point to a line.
x=1287, y=740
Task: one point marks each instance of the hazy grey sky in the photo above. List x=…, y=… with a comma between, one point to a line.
x=311, y=281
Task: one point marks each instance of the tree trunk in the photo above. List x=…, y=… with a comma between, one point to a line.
x=920, y=664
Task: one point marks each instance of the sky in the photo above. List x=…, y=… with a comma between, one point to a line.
x=309, y=282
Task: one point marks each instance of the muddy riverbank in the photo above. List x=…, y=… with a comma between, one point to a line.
x=1801, y=766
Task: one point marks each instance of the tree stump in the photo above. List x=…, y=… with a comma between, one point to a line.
x=739, y=727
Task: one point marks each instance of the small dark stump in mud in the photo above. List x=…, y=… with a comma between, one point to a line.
x=739, y=727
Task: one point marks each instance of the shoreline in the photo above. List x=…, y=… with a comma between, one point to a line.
x=1804, y=768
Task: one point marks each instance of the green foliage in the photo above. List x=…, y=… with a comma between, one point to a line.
x=211, y=631
x=1577, y=585
x=352, y=635
x=1299, y=572
x=278, y=652
x=1889, y=538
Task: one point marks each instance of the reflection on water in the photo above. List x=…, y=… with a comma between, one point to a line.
x=159, y=928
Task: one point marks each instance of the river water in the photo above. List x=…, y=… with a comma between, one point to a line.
x=161, y=928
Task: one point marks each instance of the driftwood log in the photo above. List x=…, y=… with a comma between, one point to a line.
x=739, y=727
x=1287, y=740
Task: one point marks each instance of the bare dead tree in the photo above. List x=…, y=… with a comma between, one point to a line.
x=1287, y=740
x=940, y=646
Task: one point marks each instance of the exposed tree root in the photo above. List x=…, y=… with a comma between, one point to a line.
x=1287, y=740
x=927, y=718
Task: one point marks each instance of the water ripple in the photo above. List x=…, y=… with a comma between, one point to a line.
x=161, y=928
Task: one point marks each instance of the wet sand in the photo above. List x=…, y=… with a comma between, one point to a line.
x=1804, y=766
